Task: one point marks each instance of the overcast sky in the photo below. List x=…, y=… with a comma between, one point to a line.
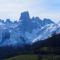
x=41, y=8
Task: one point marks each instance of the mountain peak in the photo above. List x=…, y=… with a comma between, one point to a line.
x=48, y=20
x=24, y=15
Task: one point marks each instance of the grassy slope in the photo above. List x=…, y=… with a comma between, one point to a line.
x=24, y=57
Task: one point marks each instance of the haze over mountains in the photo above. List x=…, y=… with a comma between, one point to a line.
x=27, y=30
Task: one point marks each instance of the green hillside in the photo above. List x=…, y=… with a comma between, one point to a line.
x=24, y=57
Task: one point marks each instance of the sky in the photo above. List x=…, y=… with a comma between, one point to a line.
x=41, y=8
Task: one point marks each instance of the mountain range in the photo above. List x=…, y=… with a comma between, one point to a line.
x=27, y=30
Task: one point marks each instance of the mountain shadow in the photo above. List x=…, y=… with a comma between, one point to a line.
x=47, y=46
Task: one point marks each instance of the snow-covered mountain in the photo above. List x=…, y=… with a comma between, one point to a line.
x=26, y=31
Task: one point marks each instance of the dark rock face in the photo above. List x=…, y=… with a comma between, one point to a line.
x=5, y=35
